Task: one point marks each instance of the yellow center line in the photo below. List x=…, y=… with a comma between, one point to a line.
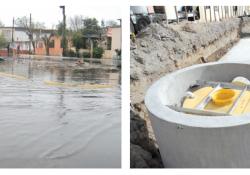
x=2, y=74
x=84, y=86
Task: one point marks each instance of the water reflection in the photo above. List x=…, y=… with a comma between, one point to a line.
x=47, y=126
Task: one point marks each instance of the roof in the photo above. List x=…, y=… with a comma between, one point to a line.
x=24, y=29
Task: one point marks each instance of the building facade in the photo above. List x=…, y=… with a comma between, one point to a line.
x=19, y=42
x=112, y=42
x=54, y=49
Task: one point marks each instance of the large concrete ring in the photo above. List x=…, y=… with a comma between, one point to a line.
x=193, y=141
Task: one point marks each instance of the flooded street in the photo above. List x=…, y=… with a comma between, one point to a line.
x=71, y=122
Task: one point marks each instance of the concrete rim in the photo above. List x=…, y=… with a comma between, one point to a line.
x=159, y=110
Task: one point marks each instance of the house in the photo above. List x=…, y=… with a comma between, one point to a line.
x=54, y=47
x=21, y=43
x=112, y=42
x=109, y=40
x=20, y=38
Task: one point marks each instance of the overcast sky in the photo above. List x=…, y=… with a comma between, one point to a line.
x=51, y=14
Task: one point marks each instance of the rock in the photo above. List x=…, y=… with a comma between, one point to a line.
x=147, y=51
x=144, y=44
x=159, y=55
x=157, y=36
x=164, y=39
x=173, y=39
x=133, y=47
x=139, y=59
x=139, y=157
x=143, y=153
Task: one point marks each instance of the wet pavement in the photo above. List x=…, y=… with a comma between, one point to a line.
x=58, y=126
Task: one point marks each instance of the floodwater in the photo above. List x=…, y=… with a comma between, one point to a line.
x=49, y=126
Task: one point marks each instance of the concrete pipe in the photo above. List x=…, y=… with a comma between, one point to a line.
x=195, y=141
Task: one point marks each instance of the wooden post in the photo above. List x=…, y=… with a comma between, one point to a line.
x=176, y=12
x=232, y=11
x=219, y=12
x=210, y=11
x=214, y=14
x=205, y=13
x=166, y=14
x=91, y=49
x=222, y=15
x=186, y=14
x=225, y=8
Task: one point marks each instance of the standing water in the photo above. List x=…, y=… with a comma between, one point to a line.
x=56, y=114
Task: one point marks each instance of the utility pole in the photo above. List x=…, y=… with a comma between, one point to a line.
x=64, y=30
x=12, y=37
x=30, y=36
x=12, y=34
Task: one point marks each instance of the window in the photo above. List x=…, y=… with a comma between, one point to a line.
x=52, y=44
x=109, y=43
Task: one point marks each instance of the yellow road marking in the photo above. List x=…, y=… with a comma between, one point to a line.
x=2, y=74
x=84, y=86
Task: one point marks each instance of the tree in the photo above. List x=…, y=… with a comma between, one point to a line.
x=76, y=23
x=91, y=27
x=77, y=40
x=98, y=52
x=111, y=23
x=103, y=23
x=3, y=42
x=47, y=41
x=59, y=29
x=29, y=27
x=85, y=33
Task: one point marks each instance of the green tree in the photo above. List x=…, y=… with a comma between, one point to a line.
x=98, y=52
x=59, y=29
x=77, y=40
x=91, y=27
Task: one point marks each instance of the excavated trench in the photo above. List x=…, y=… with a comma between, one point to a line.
x=161, y=49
